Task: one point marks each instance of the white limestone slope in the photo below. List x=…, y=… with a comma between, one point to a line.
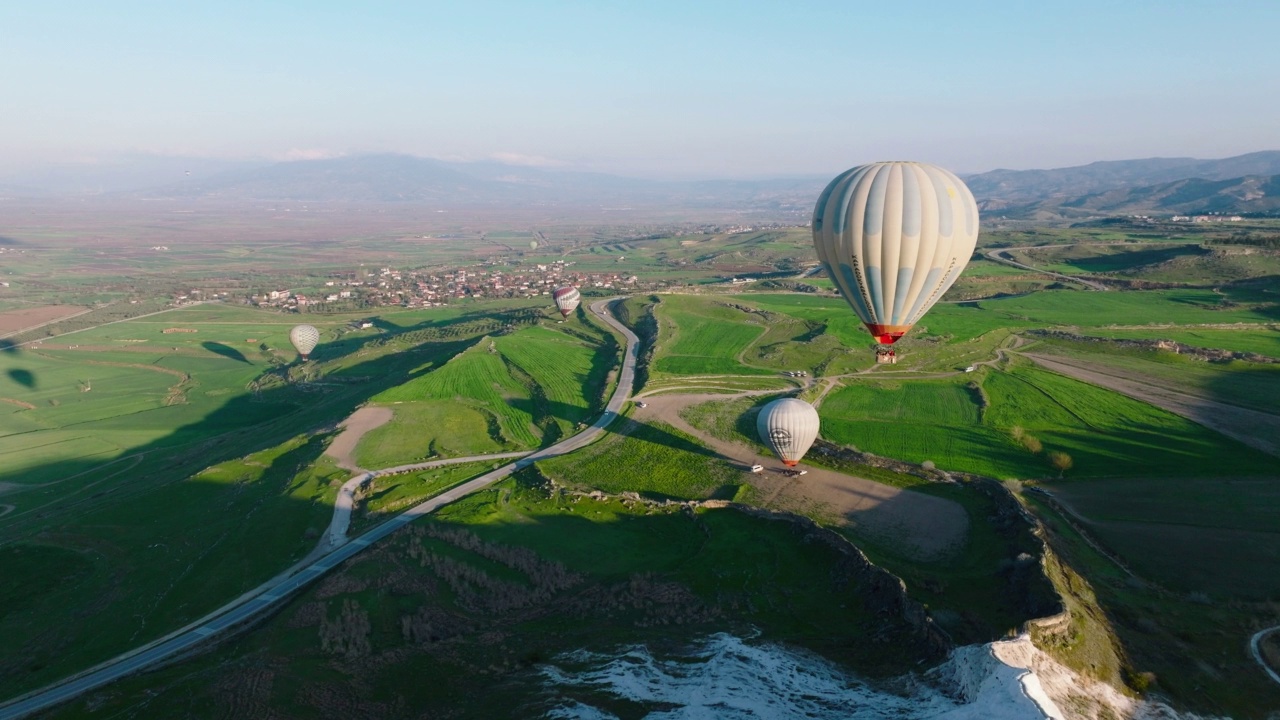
x=723, y=676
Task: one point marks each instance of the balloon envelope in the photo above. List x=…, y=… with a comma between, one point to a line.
x=304, y=339
x=567, y=299
x=893, y=237
x=789, y=427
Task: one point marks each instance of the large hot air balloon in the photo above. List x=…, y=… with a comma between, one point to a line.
x=788, y=426
x=893, y=237
x=304, y=339
x=566, y=299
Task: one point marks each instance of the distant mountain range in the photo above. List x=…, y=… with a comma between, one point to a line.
x=1246, y=183
x=1249, y=194
x=403, y=178
x=1072, y=182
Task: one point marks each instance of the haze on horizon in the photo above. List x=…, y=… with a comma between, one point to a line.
x=663, y=89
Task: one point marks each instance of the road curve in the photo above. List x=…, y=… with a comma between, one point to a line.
x=1255, y=647
x=997, y=255
x=274, y=592
x=346, y=501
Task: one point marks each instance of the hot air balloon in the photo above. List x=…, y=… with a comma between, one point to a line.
x=788, y=426
x=893, y=237
x=304, y=339
x=566, y=299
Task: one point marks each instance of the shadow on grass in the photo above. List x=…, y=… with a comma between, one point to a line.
x=225, y=351
x=167, y=545
x=25, y=378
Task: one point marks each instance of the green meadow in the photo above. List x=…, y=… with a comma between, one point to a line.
x=972, y=429
x=173, y=471
x=509, y=392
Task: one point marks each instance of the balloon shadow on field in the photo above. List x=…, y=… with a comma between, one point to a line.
x=226, y=351
x=25, y=378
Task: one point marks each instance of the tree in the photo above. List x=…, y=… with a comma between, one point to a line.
x=1060, y=461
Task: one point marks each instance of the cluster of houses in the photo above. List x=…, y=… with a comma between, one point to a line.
x=431, y=288
x=1207, y=218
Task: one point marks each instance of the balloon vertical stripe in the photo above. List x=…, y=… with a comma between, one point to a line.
x=893, y=238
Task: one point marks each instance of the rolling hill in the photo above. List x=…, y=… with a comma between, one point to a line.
x=1003, y=188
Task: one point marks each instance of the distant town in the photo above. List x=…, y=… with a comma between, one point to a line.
x=432, y=288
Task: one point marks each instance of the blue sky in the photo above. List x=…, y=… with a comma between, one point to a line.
x=654, y=88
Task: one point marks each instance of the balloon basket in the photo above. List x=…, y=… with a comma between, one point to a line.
x=886, y=356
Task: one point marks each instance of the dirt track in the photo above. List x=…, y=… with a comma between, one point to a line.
x=923, y=526
x=1251, y=427
x=353, y=428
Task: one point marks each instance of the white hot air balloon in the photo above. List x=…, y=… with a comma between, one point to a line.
x=304, y=339
x=788, y=426
x=893, y=237
x=567, y=299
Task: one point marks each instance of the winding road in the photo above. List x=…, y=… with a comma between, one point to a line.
x=271, y=595
x=998, y=255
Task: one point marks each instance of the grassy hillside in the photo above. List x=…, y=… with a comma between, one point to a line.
x=510, y=392
x=473, y=598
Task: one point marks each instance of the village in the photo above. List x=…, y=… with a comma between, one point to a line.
x=436, y=287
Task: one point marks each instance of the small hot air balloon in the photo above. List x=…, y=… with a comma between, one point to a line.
x=533, y=244
x=788, y=426
x=893, y=237
x=304, y=339
x=566, y=299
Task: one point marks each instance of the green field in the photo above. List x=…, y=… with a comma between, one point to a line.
x=150, y=476
x=1246, y=384
x=391, y=494
x=650, y=458
x=1259, y=340
x=699, y=337
x=1172, y=262
x=1106, y=434
x=157, y=560
x=510, y=392
x=127, y=460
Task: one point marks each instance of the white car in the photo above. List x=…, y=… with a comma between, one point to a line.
x=757, y=468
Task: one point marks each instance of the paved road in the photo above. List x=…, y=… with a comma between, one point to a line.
x=346, y=501
x=998, y=256
x=1255, y=647
x=274, y=592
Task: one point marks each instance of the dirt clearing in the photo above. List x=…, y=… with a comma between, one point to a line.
x=922, y=526
x=13, y=321
x=353, y=428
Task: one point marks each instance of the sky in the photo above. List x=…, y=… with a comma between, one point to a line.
x=650, y=88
